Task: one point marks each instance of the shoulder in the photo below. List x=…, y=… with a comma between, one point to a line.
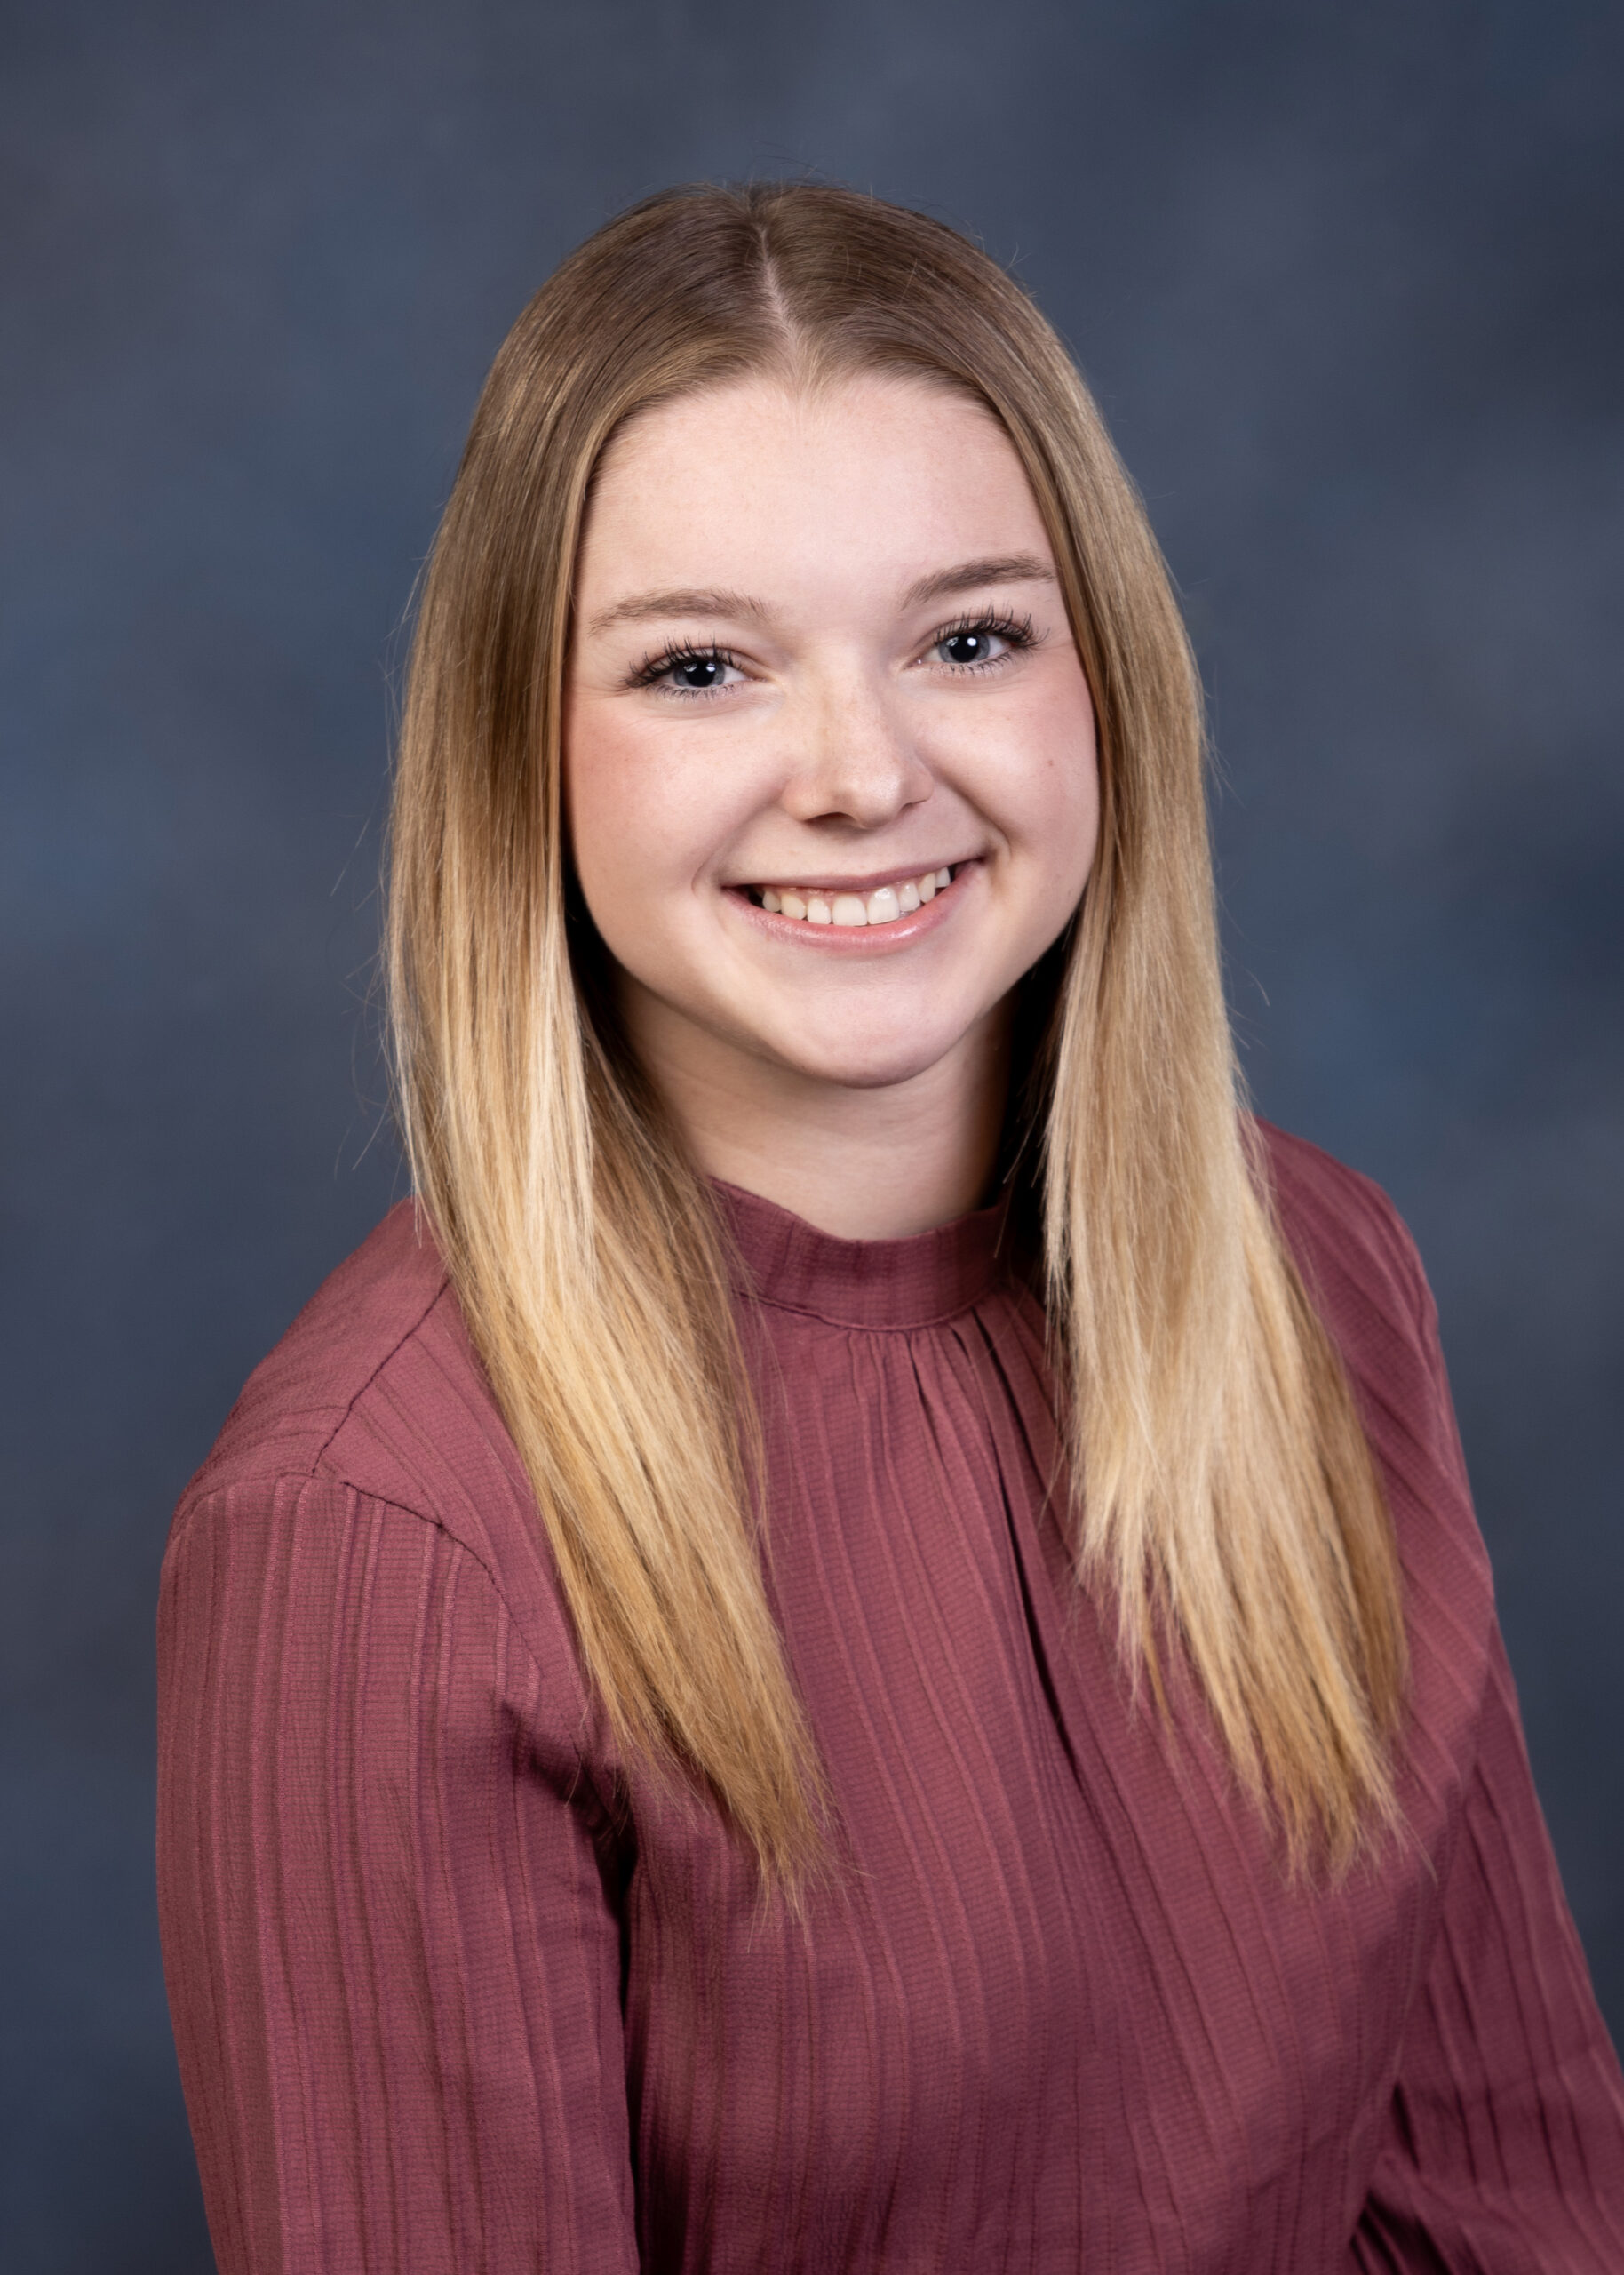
x=375, y=1391
x=336, y=1360
x=1352, y=1248
x=364, y=1464
x=1363, y=1276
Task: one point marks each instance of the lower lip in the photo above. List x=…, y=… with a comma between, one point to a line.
x=862, y=939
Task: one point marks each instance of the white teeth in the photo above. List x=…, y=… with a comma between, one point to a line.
x=883, y=906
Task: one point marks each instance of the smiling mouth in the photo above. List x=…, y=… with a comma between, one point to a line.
x=819, y=905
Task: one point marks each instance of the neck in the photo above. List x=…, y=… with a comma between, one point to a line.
x=864, y=1163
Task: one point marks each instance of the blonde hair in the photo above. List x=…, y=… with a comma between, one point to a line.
x=1225, y=1499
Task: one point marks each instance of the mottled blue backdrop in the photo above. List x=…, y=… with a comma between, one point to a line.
x=1346, y=280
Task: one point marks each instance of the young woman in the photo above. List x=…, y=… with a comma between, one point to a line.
x=857, y=1642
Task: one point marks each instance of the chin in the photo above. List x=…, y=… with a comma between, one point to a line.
x=856, y=1063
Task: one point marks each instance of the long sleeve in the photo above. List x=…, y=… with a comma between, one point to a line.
x=1504, y=2146
x=454, y=1990
x=388, y=1905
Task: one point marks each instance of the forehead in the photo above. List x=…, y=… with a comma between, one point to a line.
x=762, y=479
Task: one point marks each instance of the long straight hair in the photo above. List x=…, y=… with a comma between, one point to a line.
x=1225, y=1500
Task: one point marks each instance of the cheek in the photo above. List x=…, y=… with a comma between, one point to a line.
x=621, y=808
x=606, y=819
x=1078, y=799
x=649, y=809
x=1054, y=796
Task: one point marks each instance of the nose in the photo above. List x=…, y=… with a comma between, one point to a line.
x=856, y=763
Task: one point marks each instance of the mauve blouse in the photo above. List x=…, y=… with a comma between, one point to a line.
x=442, y=2003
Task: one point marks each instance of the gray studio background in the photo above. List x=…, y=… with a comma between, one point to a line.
x=1346, y=280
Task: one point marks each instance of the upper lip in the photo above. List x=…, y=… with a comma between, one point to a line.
x=828, y=883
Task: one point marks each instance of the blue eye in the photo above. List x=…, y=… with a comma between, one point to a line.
x=976, y=643
x=687, y=671
x=972, y=647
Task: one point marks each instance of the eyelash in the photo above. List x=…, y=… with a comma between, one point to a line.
x=655, y=667
x=1017, y=631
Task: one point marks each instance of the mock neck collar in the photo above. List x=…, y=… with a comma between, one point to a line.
x=861, y=1283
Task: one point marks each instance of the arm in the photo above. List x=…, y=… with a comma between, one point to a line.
x=1504, y=2149
x=1505, y=2146
x=388, y=1915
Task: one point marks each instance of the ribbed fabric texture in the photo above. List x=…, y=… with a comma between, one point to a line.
x=447, y=1998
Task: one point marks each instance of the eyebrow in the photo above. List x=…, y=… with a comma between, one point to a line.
x=682, y=601
x=975, y=576
x=966, y=576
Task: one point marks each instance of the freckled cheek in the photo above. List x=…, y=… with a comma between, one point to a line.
x=610, y=805
x=1041, y=790
x=1074, y=800
x=647, y=816
x=1070, y=781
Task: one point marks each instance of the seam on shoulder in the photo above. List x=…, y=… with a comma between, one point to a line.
x=336, y=1481
x=362, y=1388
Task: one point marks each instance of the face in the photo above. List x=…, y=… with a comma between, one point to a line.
x=830, y=765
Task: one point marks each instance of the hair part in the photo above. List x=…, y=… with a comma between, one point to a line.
x=1224, y=1496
